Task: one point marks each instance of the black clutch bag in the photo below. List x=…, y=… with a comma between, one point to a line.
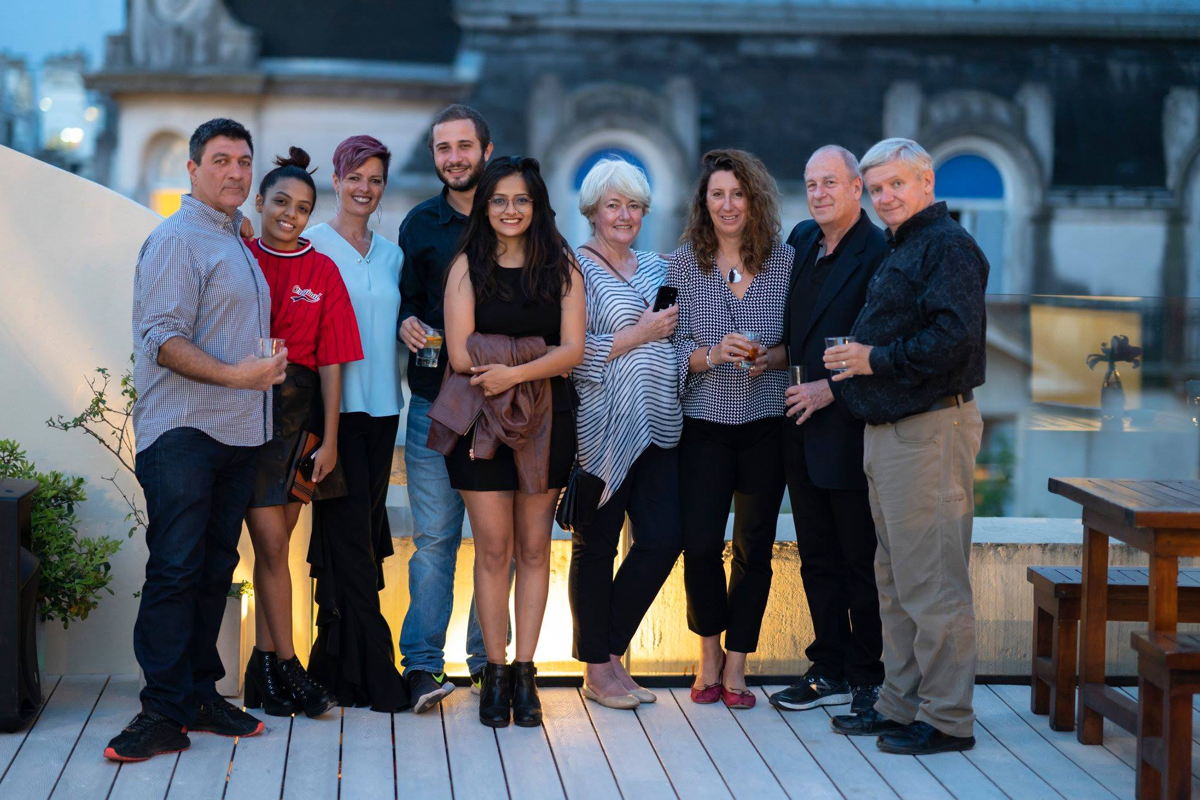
x=579, y=500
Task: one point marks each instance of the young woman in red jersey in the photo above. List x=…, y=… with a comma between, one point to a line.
x=311, y=312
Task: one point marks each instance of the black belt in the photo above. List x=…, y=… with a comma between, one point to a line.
x=951, y=400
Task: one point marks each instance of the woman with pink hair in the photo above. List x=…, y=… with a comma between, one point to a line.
x=353, y=654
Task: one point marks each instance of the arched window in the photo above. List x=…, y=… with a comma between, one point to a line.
x=165, y=172
x=574, y=226
x=590, y=161
x=974, y=192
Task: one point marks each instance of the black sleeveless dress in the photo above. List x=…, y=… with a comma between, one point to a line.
x=521, y=315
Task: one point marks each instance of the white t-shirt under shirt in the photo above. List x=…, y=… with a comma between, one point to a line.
x=373, y=282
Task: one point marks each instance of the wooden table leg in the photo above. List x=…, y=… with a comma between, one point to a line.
x=1093, y=618
x=1164, y=594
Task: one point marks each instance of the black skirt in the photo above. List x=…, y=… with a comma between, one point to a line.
x=298, y=411
x=499, y=473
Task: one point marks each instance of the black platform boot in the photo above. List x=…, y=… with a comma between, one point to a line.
x=526, y=705
x=263, y=687
x=496, y=695
x=309, y=695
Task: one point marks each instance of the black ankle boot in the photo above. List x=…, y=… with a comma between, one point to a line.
x=309, y=695
x=526, y=705
x=496, y=695
x=264, y=689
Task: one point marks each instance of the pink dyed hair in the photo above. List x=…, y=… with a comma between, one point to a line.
x=353, y=152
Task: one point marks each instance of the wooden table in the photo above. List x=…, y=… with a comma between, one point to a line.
x=1161, y=518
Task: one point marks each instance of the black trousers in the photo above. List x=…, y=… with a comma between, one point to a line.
x=197, y=490
x=607, y=609
x=353, y=653
x=719, y=463
x=835, y=536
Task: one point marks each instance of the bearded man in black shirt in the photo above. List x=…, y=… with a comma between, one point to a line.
x=910, y=375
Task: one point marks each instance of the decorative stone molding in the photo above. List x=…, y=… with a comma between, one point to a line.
x=175, y=35
x=902, y=110
x=1036, y=102
x=1181, y=130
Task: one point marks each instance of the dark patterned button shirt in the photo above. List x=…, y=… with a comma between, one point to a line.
x=708, y=310
x=925, y=319
x=196, y=278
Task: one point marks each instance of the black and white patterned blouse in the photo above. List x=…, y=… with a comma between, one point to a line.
x=630, y=402
x=708, y=309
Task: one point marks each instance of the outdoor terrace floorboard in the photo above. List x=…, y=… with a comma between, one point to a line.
x=670, y=748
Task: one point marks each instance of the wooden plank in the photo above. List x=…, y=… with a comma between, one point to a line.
x=1097, y=762
x=584, y=770
x=368, y=754
x=1006, y=770
x=1051, y=766
x=690, y=770
x=837, y=756
x=203, y=770
x=961, y=777
x=793, y=765
x=905, y=776
x=474, y=756
x=1123, y=745
x=314, y=756
x=633, y=760
x=422, y=769
x=36, y=767
x=146, y=780
x=10, y=743
x=258, y=761
x=529, y=767
x=87, y=773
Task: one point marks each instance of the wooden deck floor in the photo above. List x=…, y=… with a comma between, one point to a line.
x=670, y=748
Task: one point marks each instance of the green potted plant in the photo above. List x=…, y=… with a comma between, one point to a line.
x=75, y=568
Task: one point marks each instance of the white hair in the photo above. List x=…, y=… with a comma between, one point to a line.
x=613, y=175
x=896, y=149
x=847, y=158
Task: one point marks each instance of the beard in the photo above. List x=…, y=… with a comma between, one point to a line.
x=466, y=182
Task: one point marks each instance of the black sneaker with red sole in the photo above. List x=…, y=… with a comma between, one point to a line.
x=149, y=734
x=217, y=715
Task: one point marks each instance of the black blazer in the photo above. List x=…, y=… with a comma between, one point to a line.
x=833, y=439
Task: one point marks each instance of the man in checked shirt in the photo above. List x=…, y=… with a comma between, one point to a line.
x=200, y=305
x=919, y=354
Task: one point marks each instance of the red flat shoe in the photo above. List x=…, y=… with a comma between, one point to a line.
x=737, y=698
x=708, y=694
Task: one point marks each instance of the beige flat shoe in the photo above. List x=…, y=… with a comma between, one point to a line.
x=612, y=701
x=643, y=695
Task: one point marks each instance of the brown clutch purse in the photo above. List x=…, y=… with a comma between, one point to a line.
x=303, y=486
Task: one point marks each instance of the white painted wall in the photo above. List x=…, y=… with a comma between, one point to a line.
x=1110, y=251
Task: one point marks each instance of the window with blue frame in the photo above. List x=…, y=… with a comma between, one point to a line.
x=973, y=190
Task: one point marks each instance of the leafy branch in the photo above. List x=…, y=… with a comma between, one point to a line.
x=112, y=427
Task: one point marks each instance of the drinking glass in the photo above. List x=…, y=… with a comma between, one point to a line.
x=268, y=347
x=796, y=374
x=755, y=348
x=429, y=355
x=834, y=341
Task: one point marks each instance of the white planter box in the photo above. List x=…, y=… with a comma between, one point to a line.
x=233, y=644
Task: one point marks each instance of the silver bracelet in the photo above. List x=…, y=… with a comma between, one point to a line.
x=708, y=358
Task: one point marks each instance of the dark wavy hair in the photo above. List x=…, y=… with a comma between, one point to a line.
x=762, y=209
x=293, y=165
x=547, y=272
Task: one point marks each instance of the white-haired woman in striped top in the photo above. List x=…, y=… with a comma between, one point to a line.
x=629, y=423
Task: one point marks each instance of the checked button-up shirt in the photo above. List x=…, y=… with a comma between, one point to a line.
x=196, y=278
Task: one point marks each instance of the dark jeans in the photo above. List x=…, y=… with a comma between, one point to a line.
x=835, y=536
x=607, y=609
x=718, y=463
x=197, y=490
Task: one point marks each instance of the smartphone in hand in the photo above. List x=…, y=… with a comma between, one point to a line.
x=665, y=298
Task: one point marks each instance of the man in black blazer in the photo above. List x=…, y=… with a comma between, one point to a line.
x=837, y=252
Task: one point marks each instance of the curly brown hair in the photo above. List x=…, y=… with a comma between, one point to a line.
x=762, y=218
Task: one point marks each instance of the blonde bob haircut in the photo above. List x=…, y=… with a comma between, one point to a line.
x=613, y=175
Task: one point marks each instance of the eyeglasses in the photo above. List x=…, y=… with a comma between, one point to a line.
x=521, y=202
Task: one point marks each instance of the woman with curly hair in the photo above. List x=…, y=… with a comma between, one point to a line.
x=732, y=273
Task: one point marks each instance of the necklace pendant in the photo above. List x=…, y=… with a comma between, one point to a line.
x=735, y=275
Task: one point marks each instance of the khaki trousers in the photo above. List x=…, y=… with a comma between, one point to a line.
x=920, y=475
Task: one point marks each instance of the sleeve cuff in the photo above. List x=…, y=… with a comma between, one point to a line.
x=880, y=361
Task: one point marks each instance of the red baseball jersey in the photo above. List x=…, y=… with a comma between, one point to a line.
x=310, y=309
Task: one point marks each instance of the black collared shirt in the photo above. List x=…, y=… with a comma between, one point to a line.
x=925, y=319
x=429, y=237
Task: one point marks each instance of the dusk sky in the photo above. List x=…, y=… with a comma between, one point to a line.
x=34, y=29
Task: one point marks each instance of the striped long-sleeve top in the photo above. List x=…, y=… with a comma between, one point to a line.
x=632, y=401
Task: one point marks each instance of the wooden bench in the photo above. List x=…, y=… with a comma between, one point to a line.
x=1056, y=598
x=1168, y=676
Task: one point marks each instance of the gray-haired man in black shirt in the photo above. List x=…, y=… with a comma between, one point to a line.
x=919, y=353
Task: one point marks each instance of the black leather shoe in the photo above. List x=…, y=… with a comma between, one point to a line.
x=496, y=695
x=921, y=739
x=309, y=695
x=526, y=705
x=264, y=689
x=868, y=723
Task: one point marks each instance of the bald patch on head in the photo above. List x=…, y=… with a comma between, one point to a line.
x=836, y=149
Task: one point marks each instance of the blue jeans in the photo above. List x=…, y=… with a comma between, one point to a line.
x=197, y=490
x=437, y=513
